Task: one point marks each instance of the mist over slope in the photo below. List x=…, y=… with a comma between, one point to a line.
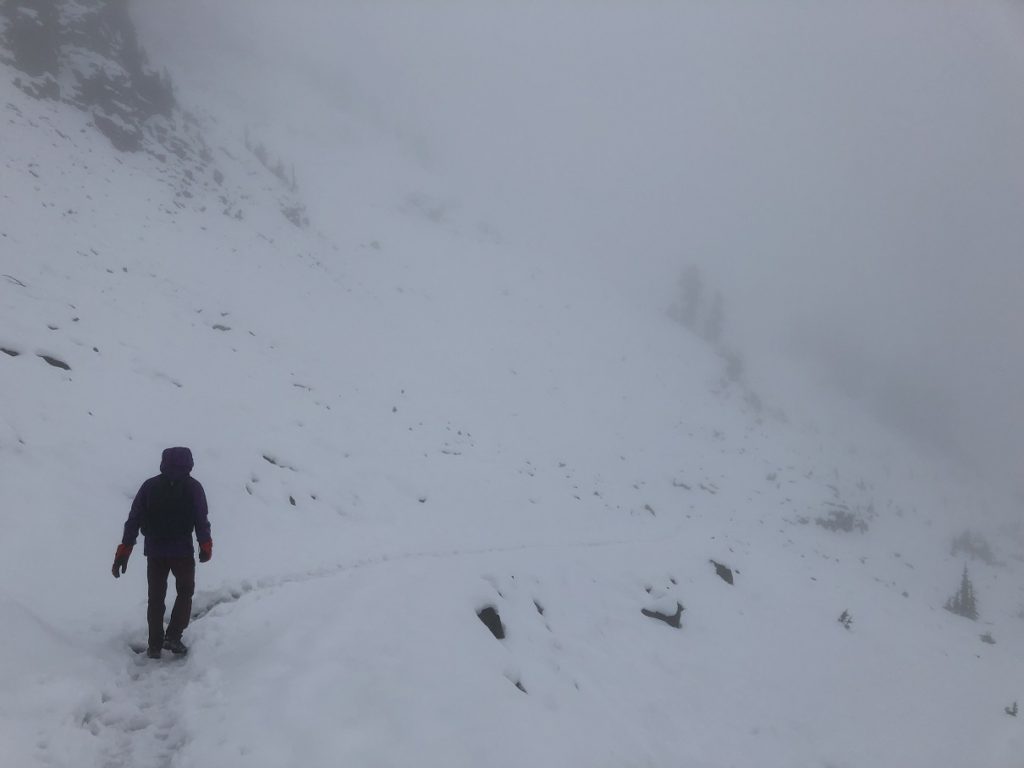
x=403, y=415
x=848, y=172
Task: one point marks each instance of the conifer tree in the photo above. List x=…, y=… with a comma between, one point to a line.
x=963, y=602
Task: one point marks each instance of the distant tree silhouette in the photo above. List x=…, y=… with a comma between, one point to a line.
x=963, y=602
x=974, y=546
x=715, y=320
x=691, y=297
x=733, y=364
x=705, y=318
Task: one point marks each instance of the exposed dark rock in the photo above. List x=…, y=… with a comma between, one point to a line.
x=125, y=85
x=277, y=462
x=11, y=352
x=55, y=362
x=44, y=87
x=86, y=53
x=673, y=620
x=724, y=572
x=92, y=47
x=489, y=616
x=124, y=136
x=32, y=36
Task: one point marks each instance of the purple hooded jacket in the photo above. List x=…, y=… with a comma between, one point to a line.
x=175, y=463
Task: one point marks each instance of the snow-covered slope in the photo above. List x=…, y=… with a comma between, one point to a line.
x=399, y=429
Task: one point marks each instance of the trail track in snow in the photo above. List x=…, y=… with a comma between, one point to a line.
x=205, y=602
x=138, y=717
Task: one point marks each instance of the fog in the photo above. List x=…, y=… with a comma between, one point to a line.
x=849, y=174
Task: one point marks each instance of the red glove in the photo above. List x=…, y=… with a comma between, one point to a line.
x=121, y=560
x=205, y=551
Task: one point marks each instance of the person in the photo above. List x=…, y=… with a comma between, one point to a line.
x=167, y=509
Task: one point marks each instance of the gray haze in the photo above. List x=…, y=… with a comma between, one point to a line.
x=850, y=174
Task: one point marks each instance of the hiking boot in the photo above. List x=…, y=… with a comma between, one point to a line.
x=175, y=646
x=153, y=653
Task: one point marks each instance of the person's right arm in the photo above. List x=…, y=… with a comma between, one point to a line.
x=131, y=525
x=130, y=535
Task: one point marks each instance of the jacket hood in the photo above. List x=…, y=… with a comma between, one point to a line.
x=176, y=462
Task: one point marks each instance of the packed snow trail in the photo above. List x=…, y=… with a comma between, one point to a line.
x=138, y=717
x=205, y=601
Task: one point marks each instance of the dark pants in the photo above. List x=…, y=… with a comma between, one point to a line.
x=157, y=569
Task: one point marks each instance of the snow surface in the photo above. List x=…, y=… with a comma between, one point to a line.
x=401, y=426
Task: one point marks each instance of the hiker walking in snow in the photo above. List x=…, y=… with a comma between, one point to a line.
x=167, y=509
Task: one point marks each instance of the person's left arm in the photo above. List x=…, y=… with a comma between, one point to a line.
x=202, y=521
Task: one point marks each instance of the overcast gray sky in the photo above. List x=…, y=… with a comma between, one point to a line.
x=850, y=173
